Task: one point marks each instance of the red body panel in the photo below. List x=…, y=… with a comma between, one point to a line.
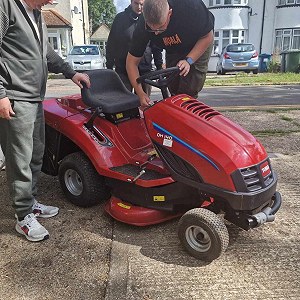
x=210, y=142
x=140, y=216
x=131, y=143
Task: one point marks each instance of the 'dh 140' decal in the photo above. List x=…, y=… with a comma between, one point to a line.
x=163, y=133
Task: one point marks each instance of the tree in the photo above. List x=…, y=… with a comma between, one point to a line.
x=101, y=11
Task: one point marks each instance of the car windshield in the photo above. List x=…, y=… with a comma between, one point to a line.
x=240, y=48
x=84, y=50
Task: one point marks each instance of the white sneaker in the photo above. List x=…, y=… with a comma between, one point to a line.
x=32, y=229
x=44, y=211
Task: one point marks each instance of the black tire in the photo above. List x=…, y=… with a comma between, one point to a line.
x=223, y=72
x=80, y=182
x=203, y=234
x=255, y=71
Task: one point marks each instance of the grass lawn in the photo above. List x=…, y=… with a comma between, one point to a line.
x=251, y=79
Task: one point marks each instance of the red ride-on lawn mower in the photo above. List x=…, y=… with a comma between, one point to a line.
x=182, y=159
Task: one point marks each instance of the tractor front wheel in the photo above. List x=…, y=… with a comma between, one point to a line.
x=203, y=234
x=80, y=181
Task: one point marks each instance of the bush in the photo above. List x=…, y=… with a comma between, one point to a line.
x=274, y=67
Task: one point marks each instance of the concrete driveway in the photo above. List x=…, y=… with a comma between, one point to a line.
x=91, y=256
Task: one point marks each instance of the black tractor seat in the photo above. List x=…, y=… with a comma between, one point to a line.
x=108, y=93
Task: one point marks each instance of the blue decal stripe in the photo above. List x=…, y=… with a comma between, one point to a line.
x=177, y=139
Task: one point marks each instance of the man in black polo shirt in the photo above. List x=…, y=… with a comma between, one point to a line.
x=185, y=29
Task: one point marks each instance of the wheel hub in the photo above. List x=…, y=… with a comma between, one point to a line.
x=73, y=182
x=198, y=238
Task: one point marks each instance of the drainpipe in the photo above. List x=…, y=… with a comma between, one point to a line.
x=83, y=23
x=262, y=26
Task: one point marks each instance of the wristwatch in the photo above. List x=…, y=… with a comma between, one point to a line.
x=189, y=60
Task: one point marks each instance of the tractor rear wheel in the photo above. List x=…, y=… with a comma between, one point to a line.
x=80, y=181
x=203, y=234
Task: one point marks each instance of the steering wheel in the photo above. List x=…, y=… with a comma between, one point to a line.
x=160, y=79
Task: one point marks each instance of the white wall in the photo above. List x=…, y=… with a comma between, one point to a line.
x=287, y=17
x=260, y=24
x=231, y=18
x=66, y=9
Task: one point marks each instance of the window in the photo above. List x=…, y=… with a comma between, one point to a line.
x=235, y=36
x=228, y=2
x=217, y=43
x=225, y=37
x=288, y=2
x=278, y=40
x=296, y=39
x=287, y=39
x=53, y=42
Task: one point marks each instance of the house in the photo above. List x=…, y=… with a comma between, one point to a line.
x=68, y=24
x=272, y=26
x=100, y=37
x=59, y=31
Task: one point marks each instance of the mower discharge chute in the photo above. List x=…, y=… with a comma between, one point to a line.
x=182, y=159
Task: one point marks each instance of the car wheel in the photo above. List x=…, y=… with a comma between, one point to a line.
x=80, y=181
x=203, y=234
x=255, y=71
x=223, y=72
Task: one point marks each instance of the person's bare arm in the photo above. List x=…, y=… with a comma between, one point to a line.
x=197, y=51
x=132, y=63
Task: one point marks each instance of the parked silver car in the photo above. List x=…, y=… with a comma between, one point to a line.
x=86, y=57
x=238, y=57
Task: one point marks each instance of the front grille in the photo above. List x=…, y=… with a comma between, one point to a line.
x=252, y=178
x=177, y=164
x=82, y=62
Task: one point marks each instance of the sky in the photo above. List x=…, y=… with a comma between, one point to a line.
x=121, y=4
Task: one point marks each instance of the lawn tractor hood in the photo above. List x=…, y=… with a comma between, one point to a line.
x=201, y=142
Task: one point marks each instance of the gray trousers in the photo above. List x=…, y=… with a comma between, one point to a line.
x=23, y=141
x=193, y=83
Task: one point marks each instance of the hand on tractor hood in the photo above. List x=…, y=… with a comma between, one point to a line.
x=78, y=78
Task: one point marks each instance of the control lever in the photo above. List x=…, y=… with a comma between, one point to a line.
x=150, y=158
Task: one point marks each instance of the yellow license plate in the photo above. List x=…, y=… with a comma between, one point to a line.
x=241, y=65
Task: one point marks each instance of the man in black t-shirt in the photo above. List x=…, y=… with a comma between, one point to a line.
x=118, y=44
x=184, y=28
